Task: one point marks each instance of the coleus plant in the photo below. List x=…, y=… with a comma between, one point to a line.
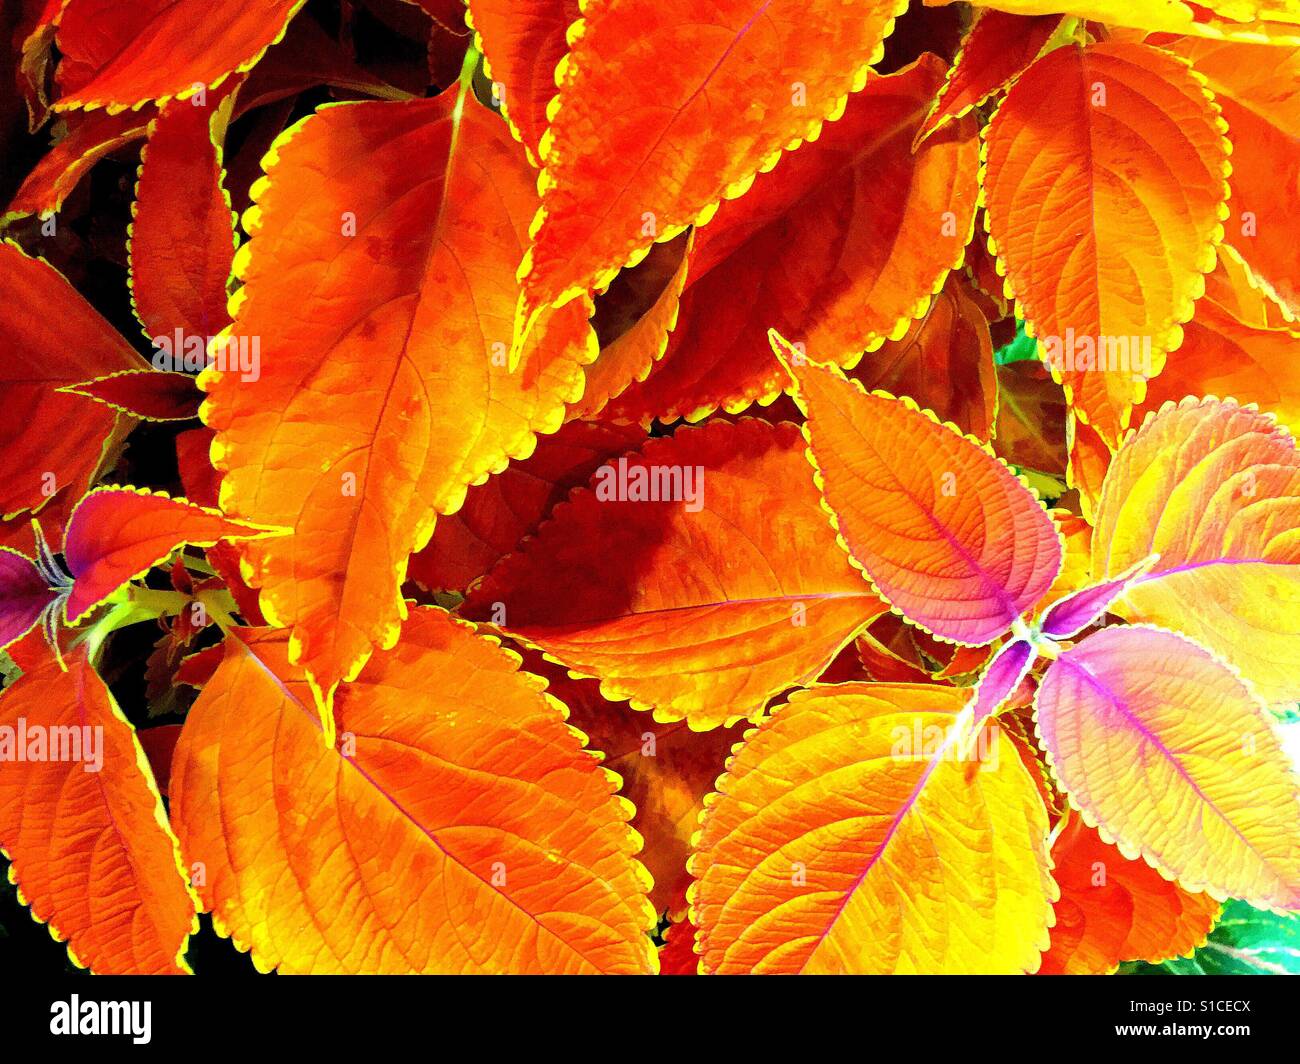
x=502, y=667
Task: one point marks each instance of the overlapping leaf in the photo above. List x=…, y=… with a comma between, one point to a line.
x=1112, y=909
x=1231, y=348
x=116, y=534
x=86, y=140
x=702, y=605
x=1104, y=188
x=1213, y=488
x=641, y=325
x=459, y=827
x=944, y=362
x=667, y=772
x=1166, y=749
x=523, y=43
x=1258, y=88
x=151, y=395
x=1275, y=20
x=121, y=56
x=85, y=828
x=510, y=506
x=996, y=50
x=838, y=249
x=737, y=83
x=943, y=529
x=379, y=403
x=1030, y=418
x=34, y=37
x=182, y=239
x=1245, y=941
x=849, y=836
x=50, y=440
x=1006, y=671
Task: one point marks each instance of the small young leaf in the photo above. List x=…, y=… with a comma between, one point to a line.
x=944, y=530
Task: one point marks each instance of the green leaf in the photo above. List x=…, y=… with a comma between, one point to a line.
x=1021, y=349
x=1245, y=941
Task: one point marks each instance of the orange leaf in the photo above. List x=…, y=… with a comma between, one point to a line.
x=996, y=50
x=182, y=237
x=667, y=770
x=943, y=529
x=1214, y=489
x=510, y=506
x=849, y=836
x=703, y=608
x=523, y=42
x=1112, y=909
x=117, y=534
x=838, y=249
x=1104, y=188
x=1166, y=749
x=49, y=439
x=638, y=343
x=617, y=178
x=1258, y=88
x=463, y=826
x=1222, y=355
x=379, y=403
x=944, y=362
x=1090, y=458
x=1248, y=19
x=91, y=850
x=121, y=56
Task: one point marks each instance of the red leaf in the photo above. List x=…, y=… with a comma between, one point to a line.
x=148, y=394
x=88, y=138
x=49, y=439
x=510, y=506
x=158, y=744
x=182, y=239
x=117, y=534
x=1113, y=909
